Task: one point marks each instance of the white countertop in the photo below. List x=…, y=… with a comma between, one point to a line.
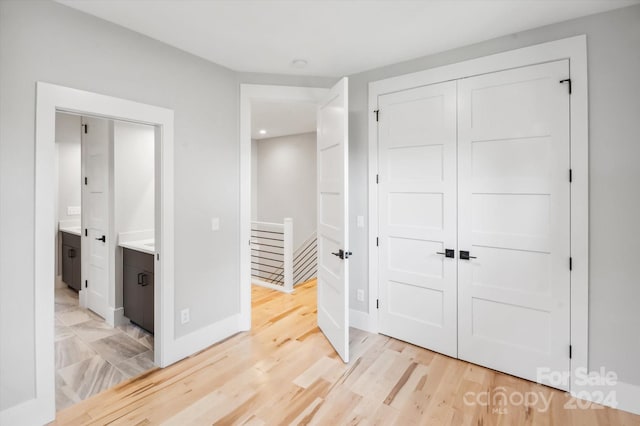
x=75, y=230
x=145, y=246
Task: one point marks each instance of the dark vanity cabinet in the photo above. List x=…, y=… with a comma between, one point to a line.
x=137, y=287
x=71, y=260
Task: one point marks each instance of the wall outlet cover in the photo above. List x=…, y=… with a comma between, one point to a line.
x=360, y=295
x=184, y=316
x=73, y=210
x=360, y=221
x=215, y=223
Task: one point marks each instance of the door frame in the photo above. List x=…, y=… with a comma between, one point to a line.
x=51, y=98
x=248, y=94
x=575, y=50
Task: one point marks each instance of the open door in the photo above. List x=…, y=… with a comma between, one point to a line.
x=95, y=208
x=333, y=224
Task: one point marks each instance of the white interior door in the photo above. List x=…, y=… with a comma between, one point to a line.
x=333, y=224
x=417, y=216
x=514, y=198
x=95, y=205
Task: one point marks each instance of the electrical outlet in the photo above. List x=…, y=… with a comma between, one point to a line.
x=73, y=210
x=360, y=221
x=184, y=316
x=215, y=223
x=360, y=295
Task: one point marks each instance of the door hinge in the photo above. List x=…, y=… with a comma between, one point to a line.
x=86, y=180
x=567, y=80
x=377, y=113
x=85, y=128
x=570, y=175
x=570, y=351
x=377, y=178
x=377, y=242
x=377, y=303
x=571, y=263
x=86, y=232
x=86, y=283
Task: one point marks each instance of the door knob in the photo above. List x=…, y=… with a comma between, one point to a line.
x=464, y=255
x=103, y=239
x=450, y=253
x=342, y=254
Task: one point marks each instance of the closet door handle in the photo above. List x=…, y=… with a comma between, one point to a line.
x=464, y=255
x=450, y=253
x=103, y=239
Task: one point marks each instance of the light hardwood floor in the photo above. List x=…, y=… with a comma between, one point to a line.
x=284, y=372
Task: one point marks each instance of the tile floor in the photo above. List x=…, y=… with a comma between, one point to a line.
x=90, y=355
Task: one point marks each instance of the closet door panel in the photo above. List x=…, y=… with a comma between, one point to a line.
x=417, y=216
x=513, y=212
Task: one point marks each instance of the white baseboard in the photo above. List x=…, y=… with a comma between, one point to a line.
x=115, y=317
x=32, y=412
x=82, y=297
x=188, y=345
x=360, y=320
x=265, y=284
x=626, y=396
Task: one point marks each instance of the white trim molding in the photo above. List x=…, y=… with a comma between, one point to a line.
x=203, y=338
x=575, y=50
x=360, y=320
x=49, y=99
x=250, y=93
x=603, y=390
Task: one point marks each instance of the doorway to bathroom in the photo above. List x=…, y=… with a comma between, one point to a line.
x=140, y=253
x=104, y=293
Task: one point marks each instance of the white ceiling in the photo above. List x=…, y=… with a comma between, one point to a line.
x=280, y=118
x=336, y=37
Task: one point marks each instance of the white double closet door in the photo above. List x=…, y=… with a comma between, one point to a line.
x=479, y=166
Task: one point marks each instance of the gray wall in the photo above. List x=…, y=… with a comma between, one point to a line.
x=614, y=127
x=286, y=80
x=45, y=41
x=133, y=173
x=254, y=179
x=68, y=166
x=286, y=182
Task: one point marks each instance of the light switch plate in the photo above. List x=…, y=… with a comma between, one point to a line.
x=73, y=210
x=360, y=295
x=360, y=221
x=215, y=223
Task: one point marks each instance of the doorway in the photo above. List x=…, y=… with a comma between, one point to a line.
x=105, y=199
x=332, y=202
x=52, y=99
x=283, y=194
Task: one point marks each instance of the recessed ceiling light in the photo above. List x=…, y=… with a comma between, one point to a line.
x=262, y=132
x=299, y=63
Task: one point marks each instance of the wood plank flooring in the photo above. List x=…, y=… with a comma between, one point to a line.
x=285, y=372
